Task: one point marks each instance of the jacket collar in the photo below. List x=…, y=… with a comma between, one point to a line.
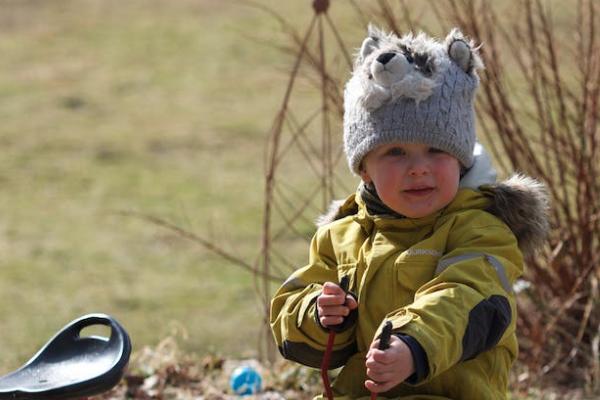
x=520, y=202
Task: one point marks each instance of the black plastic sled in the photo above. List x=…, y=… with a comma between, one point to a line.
x=71, y=365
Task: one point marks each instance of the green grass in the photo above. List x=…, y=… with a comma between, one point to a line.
x=143, y=106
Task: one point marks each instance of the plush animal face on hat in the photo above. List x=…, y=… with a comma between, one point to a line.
x=390, y=67
x=413, y=89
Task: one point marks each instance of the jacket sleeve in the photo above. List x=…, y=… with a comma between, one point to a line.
x=298, y=334
x=469, y=305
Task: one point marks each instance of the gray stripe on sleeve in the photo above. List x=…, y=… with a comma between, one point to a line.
x=493, y=261
x=446, y=262
x=501, y=272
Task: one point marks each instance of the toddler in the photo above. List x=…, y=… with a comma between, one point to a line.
x=429, y=241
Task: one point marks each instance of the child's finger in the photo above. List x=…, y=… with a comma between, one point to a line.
x=374, y=344
x=331, y=321
x=384, y=357
x=332, y=288
x=374, y=368
x=377, y=387
x=371, y=362
x=330, y=300
x=351, y=302
x=380, y=376
x=333, y=311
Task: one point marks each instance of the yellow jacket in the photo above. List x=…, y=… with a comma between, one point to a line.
x=445, y=279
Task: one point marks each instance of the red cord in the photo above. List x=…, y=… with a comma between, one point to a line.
x=325, y=365
x=325, y=368
x=344, y=283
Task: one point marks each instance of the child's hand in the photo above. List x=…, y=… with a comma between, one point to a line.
x=388, y=368
x=333, y=304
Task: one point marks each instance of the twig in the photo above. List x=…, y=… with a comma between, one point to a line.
x=201, y=241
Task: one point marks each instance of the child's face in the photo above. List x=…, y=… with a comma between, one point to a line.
x=414, y=180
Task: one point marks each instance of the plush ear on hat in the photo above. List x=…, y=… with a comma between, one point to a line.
x=463, y=52
x=372, y=42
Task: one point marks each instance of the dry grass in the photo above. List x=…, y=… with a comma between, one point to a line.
x=165, y=372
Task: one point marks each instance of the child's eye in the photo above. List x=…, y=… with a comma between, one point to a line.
x=395, y=151
x=436, y=151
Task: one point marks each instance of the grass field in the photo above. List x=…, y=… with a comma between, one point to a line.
x=142, y=106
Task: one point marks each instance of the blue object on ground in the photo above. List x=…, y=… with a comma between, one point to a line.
x=245, y=381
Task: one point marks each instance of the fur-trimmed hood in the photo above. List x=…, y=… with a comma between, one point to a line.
x=521, y=202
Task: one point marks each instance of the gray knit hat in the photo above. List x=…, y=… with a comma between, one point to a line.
x=413, y=90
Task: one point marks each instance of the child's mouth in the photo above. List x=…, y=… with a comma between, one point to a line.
x=419, y=191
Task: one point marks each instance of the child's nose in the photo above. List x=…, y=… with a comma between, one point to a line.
x=418, y=166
